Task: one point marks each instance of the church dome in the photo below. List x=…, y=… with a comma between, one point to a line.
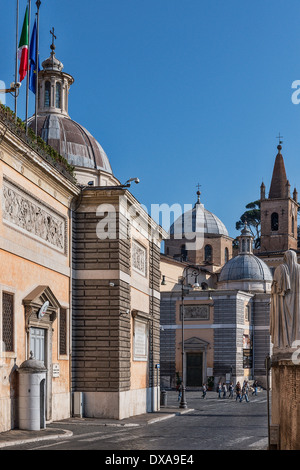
x=245, y=266
x=72, y=141
x=198, y=220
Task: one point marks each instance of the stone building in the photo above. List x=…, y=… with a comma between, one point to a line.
x=226, y=313
x=80, y=268
x=35, y=275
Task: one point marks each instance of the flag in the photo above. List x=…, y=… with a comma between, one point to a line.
x=23, y=47
x=33, y=70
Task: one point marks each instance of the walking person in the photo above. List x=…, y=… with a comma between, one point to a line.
x=238, y=391
x=245, y=391
x=224, y=388
x=219, y=389
x=255, y=385
x=204, y=390
x=230, y=388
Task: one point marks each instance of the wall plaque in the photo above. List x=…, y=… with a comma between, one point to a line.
x=55, y=370
x=140, y=342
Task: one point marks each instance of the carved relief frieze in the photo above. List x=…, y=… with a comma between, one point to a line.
x=139, y=258
x=29, y=215
x=195, y=312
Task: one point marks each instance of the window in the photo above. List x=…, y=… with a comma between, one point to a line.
x=274, y=222
x=247, y=313
x=63, y=331
x=58, y=95
x=293, y=225
x=226, y=255
x=183, y=252
x=8, y=321
x=208, y=252
x=47, y=94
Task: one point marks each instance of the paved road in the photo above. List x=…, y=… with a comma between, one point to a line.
x=213, y=424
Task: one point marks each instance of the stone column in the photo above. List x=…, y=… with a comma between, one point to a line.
x=285, y=411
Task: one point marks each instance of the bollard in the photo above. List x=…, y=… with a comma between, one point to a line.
x=163, y=398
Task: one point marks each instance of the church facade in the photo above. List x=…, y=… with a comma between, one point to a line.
x=224, y=333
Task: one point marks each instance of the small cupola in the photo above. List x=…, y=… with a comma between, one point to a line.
x=245, y=241
x=54, y=85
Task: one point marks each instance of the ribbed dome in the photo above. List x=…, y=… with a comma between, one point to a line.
x=198, y=220
x=72, y=141
x=245, y=266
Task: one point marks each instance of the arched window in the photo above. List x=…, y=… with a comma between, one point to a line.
x=243, y=245
x=226, y=255
x=248, y=245
x=47, y=94
x=208, y=253
x=58, y=95
x=293, y=225
x=274, y=222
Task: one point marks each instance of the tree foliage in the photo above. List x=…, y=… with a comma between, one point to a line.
x=252, y=217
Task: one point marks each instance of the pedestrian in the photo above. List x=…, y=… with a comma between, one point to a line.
x=230, y=390
x=204, y=389
x=255, y=385
x=245, y=391
x=179, y=393
x=238, y=391
x=224, y=388
x=219, y=389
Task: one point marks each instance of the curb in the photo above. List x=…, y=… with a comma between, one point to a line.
x=63, y=435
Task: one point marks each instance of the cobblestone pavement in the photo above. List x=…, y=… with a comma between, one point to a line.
x=207, y=424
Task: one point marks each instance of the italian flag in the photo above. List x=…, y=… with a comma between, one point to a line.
x=23, y=47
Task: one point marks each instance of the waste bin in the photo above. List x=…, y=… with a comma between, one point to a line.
x=163, y=398
x=32, y=395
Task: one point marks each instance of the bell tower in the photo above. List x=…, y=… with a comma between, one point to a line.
x=278, y=212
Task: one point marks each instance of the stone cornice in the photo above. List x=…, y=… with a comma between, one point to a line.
x=19, y=155
x=94, y=196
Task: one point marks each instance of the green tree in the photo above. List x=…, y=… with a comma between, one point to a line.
x=252, y=217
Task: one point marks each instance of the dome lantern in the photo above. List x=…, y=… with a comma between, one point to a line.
x=54, y=85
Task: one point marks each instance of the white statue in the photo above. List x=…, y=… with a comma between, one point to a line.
x=285, y=303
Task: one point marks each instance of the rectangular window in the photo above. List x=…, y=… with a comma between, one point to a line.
x=247, y=313
x=8, y=321
x=63, y=331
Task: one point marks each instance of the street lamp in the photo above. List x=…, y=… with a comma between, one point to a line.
x=185, y=291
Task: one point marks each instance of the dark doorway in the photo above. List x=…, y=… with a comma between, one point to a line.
x=194, y=369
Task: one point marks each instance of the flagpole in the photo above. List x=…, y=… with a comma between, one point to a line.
x=16, y=71
x=38, y=4
x=27, y=82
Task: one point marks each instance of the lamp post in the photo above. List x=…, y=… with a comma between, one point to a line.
x=185, y=291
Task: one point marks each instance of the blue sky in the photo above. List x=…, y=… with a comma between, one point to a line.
x=178, y=92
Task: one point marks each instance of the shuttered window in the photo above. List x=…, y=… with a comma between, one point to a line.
x=63, y=331
x=8, y=321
